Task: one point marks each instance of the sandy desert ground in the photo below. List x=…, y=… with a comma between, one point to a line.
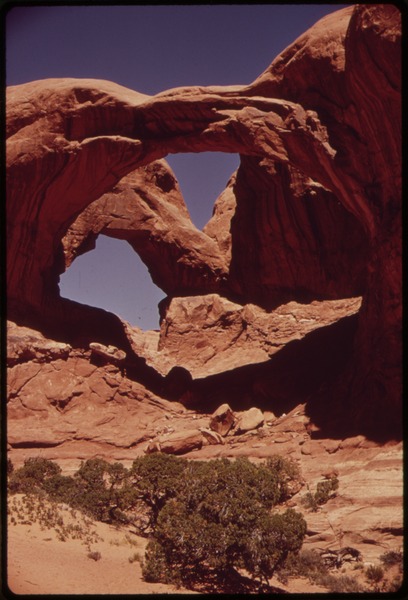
x=40, y=563
x=94, y=558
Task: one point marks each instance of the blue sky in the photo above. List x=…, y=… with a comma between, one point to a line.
x=150, y=49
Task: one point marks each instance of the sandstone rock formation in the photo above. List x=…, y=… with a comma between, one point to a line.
x=250, y=419
x=289, y=299
x=59, y=398
x=147, y=210
x=209, y=334
x=212, y=437
x=176, y=443
x=222, y=419
x=24, y=344
x=313, y=213
x=352, y=79
x=109, y=353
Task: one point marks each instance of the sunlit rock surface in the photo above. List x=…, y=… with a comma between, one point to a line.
x=312, y=213
x=288, y=301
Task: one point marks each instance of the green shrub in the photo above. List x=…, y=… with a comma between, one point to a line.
x=156, y=478
x=343, y=584
x=155, y=567
x=309, y=501
x=100, y=489
x=286, y=473
x=136, y=557
x=103, y=491
x=61, y=488
x=306, y=563
x=220, y=521
x=31, y=477
x=208, y=520
x=324, y=491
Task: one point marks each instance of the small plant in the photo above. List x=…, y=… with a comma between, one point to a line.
x=324, y=491
x=32, y=477
x=374, y=574
x=306, y=563
x=395, y=585
x=61, y=535
x=136, y=557
x=309, y=501
x=344, y=584
x=94, y=555
x=391, y=558
x=115, y=543
x=131, y=541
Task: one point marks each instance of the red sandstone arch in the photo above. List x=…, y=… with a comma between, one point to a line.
x=324, y=118
x=68, y=166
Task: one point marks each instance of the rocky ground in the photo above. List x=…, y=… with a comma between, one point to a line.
x=64, y=408
x=365, y=514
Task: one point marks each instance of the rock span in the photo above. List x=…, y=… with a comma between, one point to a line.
x=313, y=212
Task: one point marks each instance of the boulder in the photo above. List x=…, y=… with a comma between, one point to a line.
x=250, y=419
x=110, y=353
x=212, y=437
x=222, y=420
x=209, y=334
x=179, y=442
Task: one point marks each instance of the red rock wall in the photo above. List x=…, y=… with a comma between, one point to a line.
x=292, y=239
x=318, y=193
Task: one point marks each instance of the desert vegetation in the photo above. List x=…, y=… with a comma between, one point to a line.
x=216, y=525
x=209, y=523
x=324, y=491
x=65, y=523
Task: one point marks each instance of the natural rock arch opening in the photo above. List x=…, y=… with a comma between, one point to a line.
x=110, y=169
x=147, y=210
x=114, y=278
x=202, y=178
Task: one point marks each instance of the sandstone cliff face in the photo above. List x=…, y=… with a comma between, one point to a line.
x=59, y=397
x=353, y=80
x=312, y=214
